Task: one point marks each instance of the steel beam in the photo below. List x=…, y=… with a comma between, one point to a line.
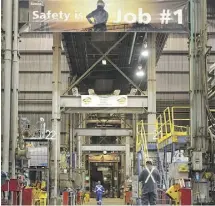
x=136, y=102
x=101, y=148
x=107, y=111
x=103, y=132
x=119, y=70
x=93, y=66
x=132, y=48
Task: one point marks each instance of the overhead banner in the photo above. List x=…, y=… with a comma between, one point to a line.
x=108, y=15
x=104, y=101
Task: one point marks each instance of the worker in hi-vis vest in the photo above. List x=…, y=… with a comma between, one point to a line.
x=99, y=16
x=99, y=190
x=149, y=178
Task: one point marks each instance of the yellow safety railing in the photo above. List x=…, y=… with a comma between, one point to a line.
x=142, y=137
x=169, y=125
x=141, y=140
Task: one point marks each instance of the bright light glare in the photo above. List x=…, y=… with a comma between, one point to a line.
x=145, y=53
x=139, y=67
x=104, y=62
x=140, y=73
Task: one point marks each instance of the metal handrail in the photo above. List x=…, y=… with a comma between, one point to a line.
x=170, y=124
x=141, y=140
x=167, y=125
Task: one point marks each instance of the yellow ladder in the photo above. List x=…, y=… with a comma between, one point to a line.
x=142, y=140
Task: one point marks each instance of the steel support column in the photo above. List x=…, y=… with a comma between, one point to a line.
x=151, y=68
x=7, y=24
x=71, y=144
x=198, y=99
x=127, y=156
x=123, y=155
x=80, y=140
x=134, y=125
x=127, y=150
x=15, y=86
x=56, y=116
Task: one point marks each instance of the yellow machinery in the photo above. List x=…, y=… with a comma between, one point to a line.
x=39, y=195
x=86, y=197
x=174, y=193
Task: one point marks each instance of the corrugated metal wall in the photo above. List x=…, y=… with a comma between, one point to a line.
x=36, y=79
x=173, y=68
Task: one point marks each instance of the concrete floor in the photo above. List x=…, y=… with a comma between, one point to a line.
x=107, y=201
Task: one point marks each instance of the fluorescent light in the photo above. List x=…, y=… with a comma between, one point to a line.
x=145, y=53
x=104, y=62
x=140, y=73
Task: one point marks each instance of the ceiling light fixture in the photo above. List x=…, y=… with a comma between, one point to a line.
x=140, y=73
x=145, y=53
x=104, y=62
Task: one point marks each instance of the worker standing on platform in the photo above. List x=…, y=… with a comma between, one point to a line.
x=99, y=16
x=99, y=190
x=149, y=177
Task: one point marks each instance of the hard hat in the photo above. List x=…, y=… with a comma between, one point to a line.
x=99, y=182
x=100, y=3
x=149, y=161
